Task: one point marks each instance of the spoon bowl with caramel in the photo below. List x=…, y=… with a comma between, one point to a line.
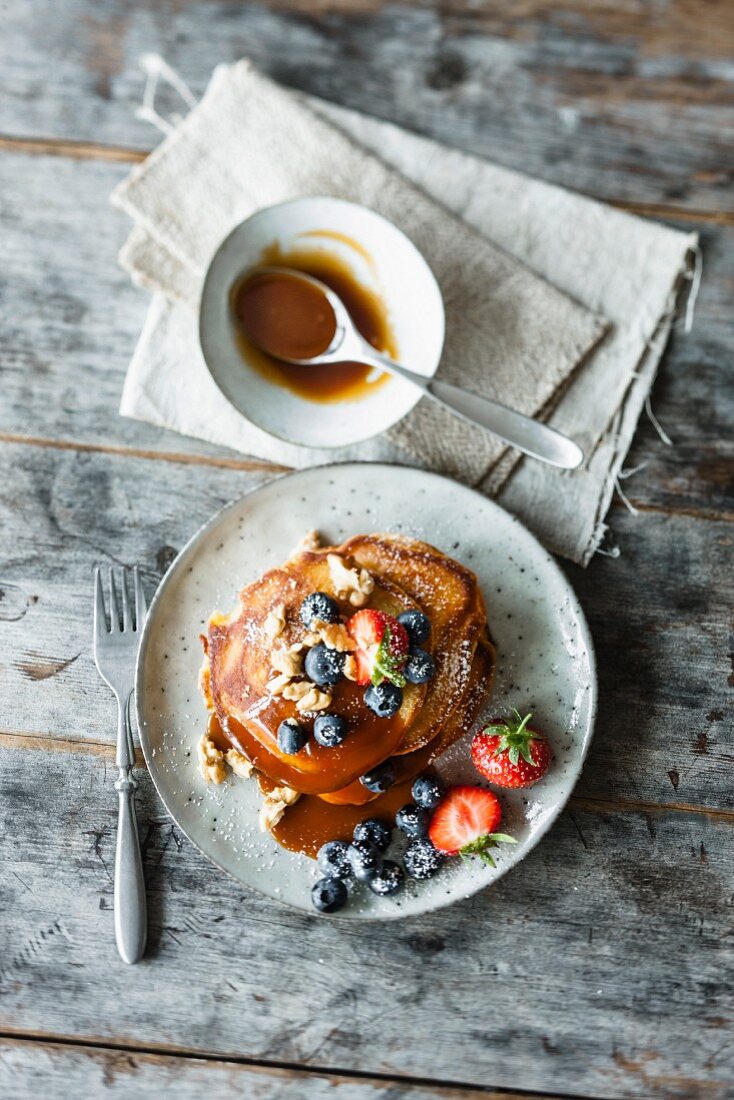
x=298, y=319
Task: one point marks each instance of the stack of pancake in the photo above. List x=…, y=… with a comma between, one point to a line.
x=391, y=574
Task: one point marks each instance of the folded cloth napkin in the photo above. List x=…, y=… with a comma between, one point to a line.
x=554, y=303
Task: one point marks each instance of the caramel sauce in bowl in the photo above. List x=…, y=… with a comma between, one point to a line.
x=289, y=318
x=387, y=288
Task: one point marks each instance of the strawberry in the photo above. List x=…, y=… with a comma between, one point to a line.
x=464, y=823
x=382, y=647
x=511, y=754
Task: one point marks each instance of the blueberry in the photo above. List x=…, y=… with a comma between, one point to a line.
x=413, y=820
x=328, y=895
x=380, y=778
x=388, y=880
x=365, y=860
x=427, y=792
x=374, y=831
x=291, y=736
x=420, y=667
x=333, y=859
x=417, y=624
x=384, y=699
x=329, y=730
x=319, y=607
x=421, y=859
x=324, y=665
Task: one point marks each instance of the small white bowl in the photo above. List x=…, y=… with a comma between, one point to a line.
x=397, y=272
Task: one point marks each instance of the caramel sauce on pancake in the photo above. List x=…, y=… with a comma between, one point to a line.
x=315, y=819
x=406, y=574
x=316, y=768
x=239, y=656
x=326, y=383
x=311, y=822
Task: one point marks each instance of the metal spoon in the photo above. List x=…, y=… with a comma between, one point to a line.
x=524, y=433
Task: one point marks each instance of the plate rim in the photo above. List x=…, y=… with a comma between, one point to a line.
x=199, y=535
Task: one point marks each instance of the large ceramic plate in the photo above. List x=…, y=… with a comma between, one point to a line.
x=545, y=662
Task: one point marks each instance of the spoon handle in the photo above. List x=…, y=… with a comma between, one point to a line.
x=532, y=437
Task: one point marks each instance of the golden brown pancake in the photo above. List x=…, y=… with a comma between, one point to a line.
x=449, y=595
x=239, y=652
x=407, y=574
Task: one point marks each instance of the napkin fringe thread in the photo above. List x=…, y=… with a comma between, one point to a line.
x=156, y=69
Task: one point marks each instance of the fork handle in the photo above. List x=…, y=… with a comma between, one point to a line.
x=131, y=918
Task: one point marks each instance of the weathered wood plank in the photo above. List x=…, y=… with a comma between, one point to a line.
x=619, y=990
x=631, y=103
x=69, y=322
x=69, y=318
x=693, y=398
x=658, y=614
x=57, y=1071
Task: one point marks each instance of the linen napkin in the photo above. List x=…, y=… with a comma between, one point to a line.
x=512, y=332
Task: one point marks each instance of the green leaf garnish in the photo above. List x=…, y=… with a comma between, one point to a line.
x=480, y=847
x=388, y=666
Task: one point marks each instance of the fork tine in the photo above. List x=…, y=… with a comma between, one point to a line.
x=140, y=606
x=100, y=618
x=114, y=613
x=127, y=622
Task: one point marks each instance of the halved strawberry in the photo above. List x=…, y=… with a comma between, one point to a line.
x=382, y=647
x=509, y=753
x=465, y=821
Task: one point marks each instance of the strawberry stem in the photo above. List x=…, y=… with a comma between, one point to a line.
x=515, y=738
x=480, y=847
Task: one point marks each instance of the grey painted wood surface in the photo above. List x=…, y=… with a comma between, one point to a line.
x=56, y=1072
x=663, y=659
x=603, y=965
x=627, y=103
x=70, y=321
x=598, y=967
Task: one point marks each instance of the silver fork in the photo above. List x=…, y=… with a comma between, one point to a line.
x=115, y=653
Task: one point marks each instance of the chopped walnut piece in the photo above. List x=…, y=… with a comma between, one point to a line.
x=274, y=624
x=205, y=683
x=315, y=699
x=270, y=814
x=354, y=584
x=277, y=685
x=335, y=636
x=283, y=794
x=313, y=638
x=287, y=661
x=296, y=690
x=310, y=541
x=211, y=760
x=350, y=668
x=239, y=764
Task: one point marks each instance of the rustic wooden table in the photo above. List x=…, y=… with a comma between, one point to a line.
x=602, y=965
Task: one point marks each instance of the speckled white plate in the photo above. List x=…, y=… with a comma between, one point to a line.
x=545, y=662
